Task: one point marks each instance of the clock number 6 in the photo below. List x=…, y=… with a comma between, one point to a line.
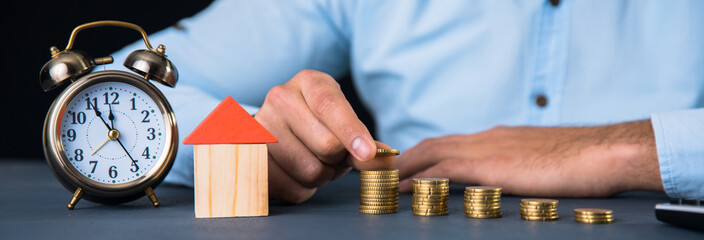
x=112, y=172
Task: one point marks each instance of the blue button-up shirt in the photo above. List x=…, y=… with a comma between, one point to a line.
x=433, y=68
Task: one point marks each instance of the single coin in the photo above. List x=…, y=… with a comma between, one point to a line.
x=483, y=216
x=538, y=206
x=381, y=151
x=378, y=207
x=379, y=171
x=483, y=212
x=483, y=189
x=539, y=218
x=594, y=221
x=539, y=201
x=366, y=211
x=593, y=211
x=378, y=204
x=394, y=189
x=431, y=180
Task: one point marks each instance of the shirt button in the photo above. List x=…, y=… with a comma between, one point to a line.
x=541, y=100
x=555, y=3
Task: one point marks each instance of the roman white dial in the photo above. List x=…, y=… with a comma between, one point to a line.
x=113, y=132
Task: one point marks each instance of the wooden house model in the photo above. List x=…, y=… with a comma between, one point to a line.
x=230, y=163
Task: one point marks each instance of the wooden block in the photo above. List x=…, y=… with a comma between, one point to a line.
x=231, y=180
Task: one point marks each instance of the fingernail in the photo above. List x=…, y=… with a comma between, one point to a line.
x=361, y=149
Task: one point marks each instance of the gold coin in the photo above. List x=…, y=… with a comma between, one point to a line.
x=594, y=221
x=539, y=210
x=593, y=211
x=382, y=192
x=378, y=207
x=430, y=214
x=380, y=151
x=539, y=201
x=366, y=211
x=431, y=180
x=539, y=218
x=486, y=201
x=538, y=206
x=469, y=208
x=483, y=189
x=379, y=196
x=378, y=204
x=471, y=215
x=388, y=189
x=483, y=212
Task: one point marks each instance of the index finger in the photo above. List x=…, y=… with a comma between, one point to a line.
x=327, y=102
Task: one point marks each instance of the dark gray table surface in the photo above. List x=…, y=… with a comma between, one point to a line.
x=33, y=206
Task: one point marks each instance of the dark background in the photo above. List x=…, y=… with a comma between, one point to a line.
x=31, y=27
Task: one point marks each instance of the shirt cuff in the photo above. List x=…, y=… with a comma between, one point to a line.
x=679, y=139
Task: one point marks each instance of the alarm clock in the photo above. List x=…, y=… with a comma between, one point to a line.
x=110, y=137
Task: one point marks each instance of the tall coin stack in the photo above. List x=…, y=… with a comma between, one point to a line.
x=430, y=196
x=378, y=192
x=482, y=202
x=593, y=215
x=539, y=209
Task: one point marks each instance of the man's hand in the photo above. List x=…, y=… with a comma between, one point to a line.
x=319, y=135
x=542, y=161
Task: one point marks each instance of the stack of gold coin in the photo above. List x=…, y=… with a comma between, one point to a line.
x=379, y=192
x=539, y=209
x=482, y=202
x=593, y=215
x=430, y=196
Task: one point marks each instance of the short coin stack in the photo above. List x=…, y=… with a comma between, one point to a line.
x=430, y=196
x=482, y=202
x=539, y=209
x=378, y=192
x=593, y=215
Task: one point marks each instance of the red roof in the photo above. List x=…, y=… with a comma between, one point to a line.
x=229, y=123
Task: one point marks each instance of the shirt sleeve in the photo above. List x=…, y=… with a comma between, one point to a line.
x=242, y=49
x=679, y=137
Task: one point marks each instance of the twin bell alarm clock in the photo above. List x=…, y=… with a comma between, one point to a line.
x=110, y=137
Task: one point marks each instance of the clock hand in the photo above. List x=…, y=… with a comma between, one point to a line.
x=97, y=113
x=128, y=153
x=101, y=145
x=111, y=117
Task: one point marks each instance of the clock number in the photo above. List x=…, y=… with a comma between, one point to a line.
x=89, y=105
x=114, y=99
x=146, y=116
x=134, y=167
x=79, y=118
x=146, y=153
x=151, y=134
x=95, y=164
x=71, y=135
x=112, y=172
x=133, y=105
x=79, y=154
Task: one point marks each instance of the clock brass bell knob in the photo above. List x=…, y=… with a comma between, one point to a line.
x=153, y=65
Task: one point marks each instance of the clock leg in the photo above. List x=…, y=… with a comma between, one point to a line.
x=150, y=193
x=76, y=196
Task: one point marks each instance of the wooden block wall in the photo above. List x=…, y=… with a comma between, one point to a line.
x=231, y=180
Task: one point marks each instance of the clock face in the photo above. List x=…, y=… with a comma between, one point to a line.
x=113, y=132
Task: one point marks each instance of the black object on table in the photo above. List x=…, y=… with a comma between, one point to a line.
x=33, y=206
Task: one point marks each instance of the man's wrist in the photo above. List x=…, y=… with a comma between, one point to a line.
x=630, y=147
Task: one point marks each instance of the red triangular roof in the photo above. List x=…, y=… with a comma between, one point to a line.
x=229, y=123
